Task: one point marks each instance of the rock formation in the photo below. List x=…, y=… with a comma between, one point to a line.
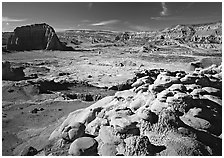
x=34, y=37
x=164, y=113
x=11, y=73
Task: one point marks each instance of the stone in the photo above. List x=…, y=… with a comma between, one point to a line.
x=203, y=81
x=162, y=82
x=194, y=65
x=122, y=124
x=191, y=87
x=28, y=151
x=84, y=146
x=126, y=94
x=164, y=94
x=188, y=79
x=137, y=103
x=214, y=99
x=195, y=122
x=138, y=83
x=118, y=112
x=157, y=106
x=177, y=87
x=142, y=88
x=94, y=126
x=35, y=37
x=138, y=146
x=108, y=150
x=12, y=73
x=209, y=70
x=171, y=100
x=194, y=111
x=108, y=135
x=74, y=131
x=185, y=132
x=197, y=92
x=181, y=96
x=213, y=91
x=185, y=146
x=148, y=115
x=167, y=121
x=165, y=81
x=218, y=75
x=87, y=115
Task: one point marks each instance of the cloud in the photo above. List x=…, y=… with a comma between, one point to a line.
x=167, y=18
x=85, y=21
x=6, y=19
x=140, y=28
x=164, y=12
x=102, y=23
x=90, y=5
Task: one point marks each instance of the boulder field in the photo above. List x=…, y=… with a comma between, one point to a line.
x=164, y=113
x=35, y=37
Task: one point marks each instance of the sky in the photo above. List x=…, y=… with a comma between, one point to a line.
x=116, y=16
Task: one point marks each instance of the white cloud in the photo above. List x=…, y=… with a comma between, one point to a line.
x=167, y=18
x=102, y=23
x=164, y=12
x=90, y=5
x=6, y=19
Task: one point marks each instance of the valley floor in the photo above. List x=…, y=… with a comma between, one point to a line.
x=105, y=67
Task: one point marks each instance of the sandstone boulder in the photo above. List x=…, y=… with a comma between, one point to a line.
x=185, y=146
x=138, y=146
x=84, y=146
x=195, y=122
x=122, y=124
x=213, y=98
x=148, y=115
x=213, y=91
x=157, y=106
x=137, y=103
x=94, y=126
x=108, y=150
x=177, y=87
x=73, y=132
x=108, y=135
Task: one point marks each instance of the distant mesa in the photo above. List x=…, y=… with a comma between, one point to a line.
x=35, y=37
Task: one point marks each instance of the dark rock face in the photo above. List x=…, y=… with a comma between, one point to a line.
x=11, y=73
x=34, y=37
x=29, y=151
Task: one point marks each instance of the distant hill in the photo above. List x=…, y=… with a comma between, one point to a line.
x=202, y=36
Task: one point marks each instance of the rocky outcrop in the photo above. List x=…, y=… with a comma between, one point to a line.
x=208, y=63
x=34, y=37
x=178, y=114
x=28, y=151
x=197, y=33
x=12, y=73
